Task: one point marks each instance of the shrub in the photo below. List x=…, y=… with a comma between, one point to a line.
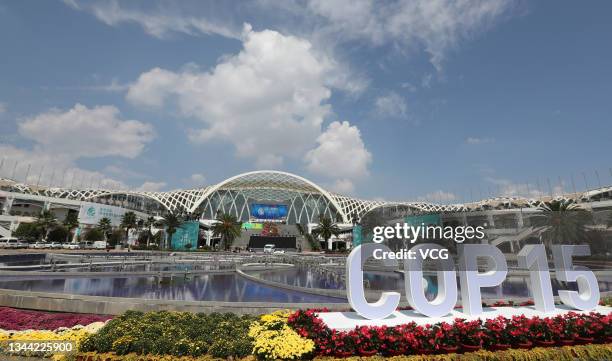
x=173, y=333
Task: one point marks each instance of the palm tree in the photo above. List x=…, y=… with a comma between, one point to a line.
x=45, y=221
x=228, y=228
x=148, y=223
x=71, y=222
x=128, y=221
x=326, y=229
x=105, y=226
x=171, y=222
x=563, y=222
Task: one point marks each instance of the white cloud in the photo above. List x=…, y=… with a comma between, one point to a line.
x=151, y=187
x=508, y=188
x=87, y=132
x=391, y=105
x=197, y=179
x=476, y=140
x=434, y=26
x=62, y=137
x=56, y=170
x=157, y=21
x=269, y=100
x=439, y=196
x=340, y=154
x=2, y=107
x=426, y=80
x=437, y=26
x=343, y=186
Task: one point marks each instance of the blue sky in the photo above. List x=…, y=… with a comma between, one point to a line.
x=432, y=100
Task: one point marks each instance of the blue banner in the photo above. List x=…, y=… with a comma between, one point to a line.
x=268, y=211
x=186, y=234
x=357, y=236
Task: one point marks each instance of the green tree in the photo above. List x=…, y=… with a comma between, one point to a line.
x=27, y=231
x=105, y=226
x=148, y=224
x=326, y=229
x=58, y=234
x=171, y=221
x=45, y=221
x=115, y=237
x=563, y=222
x=71, y=222
x=94, y=235
x=228, y=228
x=128, y=221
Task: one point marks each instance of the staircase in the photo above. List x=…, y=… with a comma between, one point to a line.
x=4, y=232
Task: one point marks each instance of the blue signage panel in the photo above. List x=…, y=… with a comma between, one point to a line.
x=268, y=211
x=186, y=234
x=357, y=235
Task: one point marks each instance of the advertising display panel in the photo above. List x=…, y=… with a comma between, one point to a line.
x=268, y=211
x=92, y=213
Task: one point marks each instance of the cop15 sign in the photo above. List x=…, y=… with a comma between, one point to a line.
x=531, y=258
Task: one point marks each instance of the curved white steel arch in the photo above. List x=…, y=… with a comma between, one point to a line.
x=314, y=186
x=191, y=199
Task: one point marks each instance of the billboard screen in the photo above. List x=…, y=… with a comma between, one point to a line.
x=92, y=213
x=268, y=211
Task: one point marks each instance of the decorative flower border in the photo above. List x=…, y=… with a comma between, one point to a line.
x=460, y=336
x=19, y=320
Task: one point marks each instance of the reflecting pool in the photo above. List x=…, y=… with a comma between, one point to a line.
x=208, y=287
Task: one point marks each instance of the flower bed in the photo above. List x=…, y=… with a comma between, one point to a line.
x=569, y=353
x=14, y=319
x=273, y=339
x=296, y=335
x=174, y=333
x=495, y=334
x=74, y=334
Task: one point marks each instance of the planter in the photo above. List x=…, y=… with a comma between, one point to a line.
x=584, y=340
x=500, y=347
x=524, y=345
x=542, y=343
x=367, y=353
x=470, y=348
x=449, y=349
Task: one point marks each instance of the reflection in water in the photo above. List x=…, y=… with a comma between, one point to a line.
x=214, y=287
x=148, y=267
x=513, y=286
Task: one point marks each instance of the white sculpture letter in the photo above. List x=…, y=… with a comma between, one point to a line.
x=446, y=298
x=472, y=280
x=387, y=303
